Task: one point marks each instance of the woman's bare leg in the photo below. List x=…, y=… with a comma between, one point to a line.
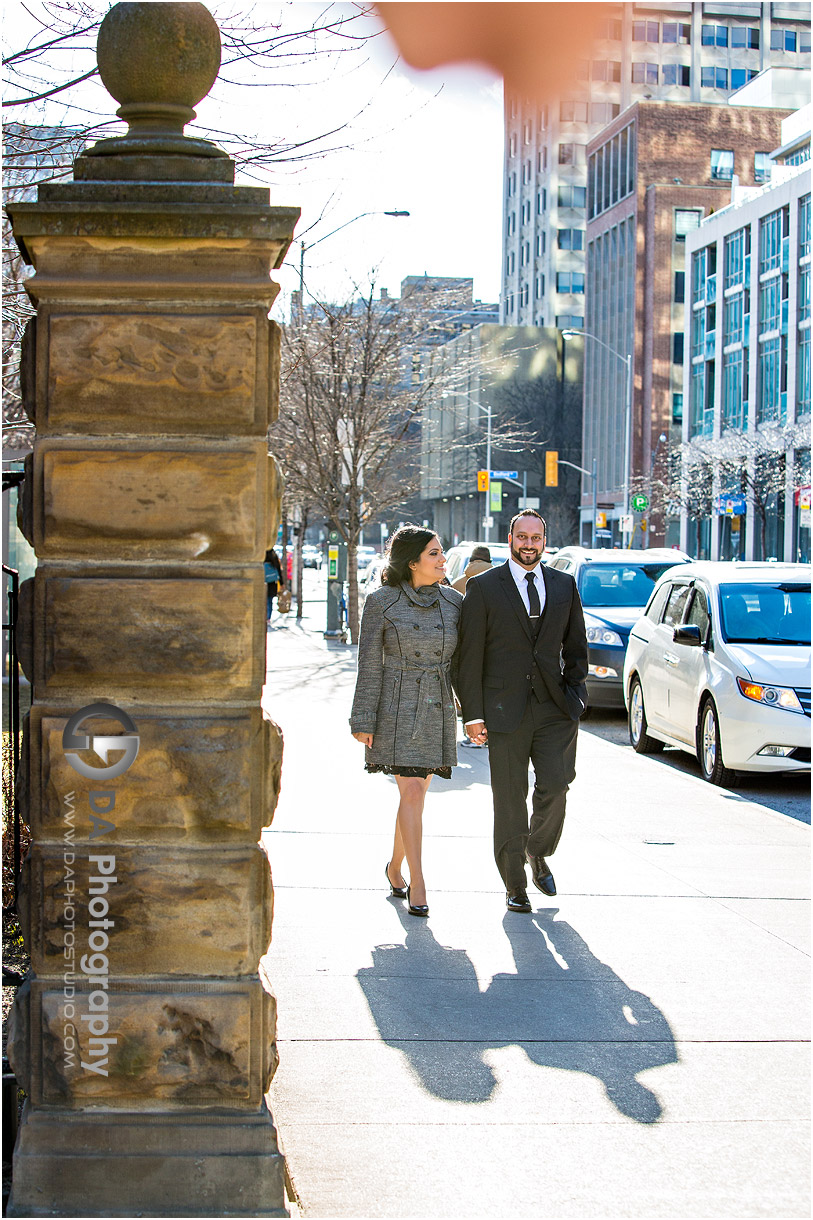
x=394, y=873
x=410, y=826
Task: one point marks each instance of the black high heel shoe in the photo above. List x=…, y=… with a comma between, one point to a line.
x=413, y=910
x=396, y=891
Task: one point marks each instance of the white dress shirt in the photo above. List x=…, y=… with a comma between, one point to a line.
x=519, y=573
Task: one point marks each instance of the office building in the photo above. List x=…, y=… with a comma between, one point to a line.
x=653, y=174
x=747, y=371
x=683, y=53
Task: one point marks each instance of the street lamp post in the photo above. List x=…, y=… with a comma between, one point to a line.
x=302, y=248
x=627, y=362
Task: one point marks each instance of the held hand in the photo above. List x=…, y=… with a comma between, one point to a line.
x=477, y=732
x=366, y=739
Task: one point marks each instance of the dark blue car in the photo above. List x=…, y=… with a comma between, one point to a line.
x=614, y=586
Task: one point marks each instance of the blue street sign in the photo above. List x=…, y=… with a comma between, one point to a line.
x=730, y=506
x=503, y=474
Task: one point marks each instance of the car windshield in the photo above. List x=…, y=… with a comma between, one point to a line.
x=765, y=613
x=619, y=584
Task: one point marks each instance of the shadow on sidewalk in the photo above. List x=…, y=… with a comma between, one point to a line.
x=563, y=1007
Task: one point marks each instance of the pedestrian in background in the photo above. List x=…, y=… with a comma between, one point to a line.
x=403, y=707
x=522, y=670
x=480, y=561
x=273, y=576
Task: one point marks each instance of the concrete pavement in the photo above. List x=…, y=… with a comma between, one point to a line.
x=636, y=1047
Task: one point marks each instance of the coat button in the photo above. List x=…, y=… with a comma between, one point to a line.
x=417, y=654
x=415, y=625
x=528, y=676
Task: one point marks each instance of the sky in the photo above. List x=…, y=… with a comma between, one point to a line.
x=429, y=143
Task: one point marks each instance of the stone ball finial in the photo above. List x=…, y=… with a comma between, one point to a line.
x=158, y=60
x=158, y=52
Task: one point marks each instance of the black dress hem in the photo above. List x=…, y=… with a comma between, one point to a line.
x=409, y=772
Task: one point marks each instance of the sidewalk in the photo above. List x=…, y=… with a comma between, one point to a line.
x=636, y=1047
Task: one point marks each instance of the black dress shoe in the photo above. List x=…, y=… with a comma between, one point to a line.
x=542, y=876
x=422, y=912
x=518, y=901
x=396, y=891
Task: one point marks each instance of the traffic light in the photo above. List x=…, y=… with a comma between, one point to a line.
x=482, y=480
x=552, y=468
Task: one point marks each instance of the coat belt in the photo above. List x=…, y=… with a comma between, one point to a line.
x=441, y=672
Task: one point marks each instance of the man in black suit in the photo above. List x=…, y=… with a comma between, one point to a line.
x=523, y=664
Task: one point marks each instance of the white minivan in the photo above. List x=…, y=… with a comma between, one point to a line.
x=719, y=665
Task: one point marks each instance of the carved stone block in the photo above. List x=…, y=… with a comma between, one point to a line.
x=197, y=778
x=143, y=502
x=181, y=912
x=172, y=1044
x=140, y=639
x=128, y=372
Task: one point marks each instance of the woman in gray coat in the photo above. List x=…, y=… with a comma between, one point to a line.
x=403, y=708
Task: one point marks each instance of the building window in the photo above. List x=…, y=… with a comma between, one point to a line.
x=733, y=313
x=714, y=78
x=803, y=373
x=528, y=132
x=803, y=293
x=769, y=394
x=804, y=41
x=735, y=397
x=572, y=196
x=644, y=74
x=679, y=291
x=571, y=239
x=770, y=242
x=573, y=112
x=542, y=160
x=737, y=246
x=722, y=164
x=541, y=201
x=583, y=70
x=783, y=40
x=714, y=35
x=741, y=76
x=676, y=32
x=569, y=321
x=677, y=408
x=540, y=287
x=540, y=244
x=512, y=145
x=606, y=70
x=603, y=112
x=804, y=227
x=645, y=31
x=677, y=347
x=677, y=74
x=570, y=281
x=571, y=154
x=686, y=221
x=762, y=167
x=610, y=29
x=745, y=36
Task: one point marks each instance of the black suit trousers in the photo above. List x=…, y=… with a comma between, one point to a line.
x=545, y=738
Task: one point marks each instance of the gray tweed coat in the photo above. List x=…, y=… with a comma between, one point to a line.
x=403, y=693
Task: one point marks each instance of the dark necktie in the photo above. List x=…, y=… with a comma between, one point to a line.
x=533, y=596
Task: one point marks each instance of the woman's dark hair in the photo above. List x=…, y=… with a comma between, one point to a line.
x=405, y=546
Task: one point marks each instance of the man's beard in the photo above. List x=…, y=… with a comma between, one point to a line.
x=515, y=554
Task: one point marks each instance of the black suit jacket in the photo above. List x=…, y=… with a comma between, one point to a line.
x=499, y=662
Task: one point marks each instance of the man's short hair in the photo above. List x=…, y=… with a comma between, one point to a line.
x=481, y=552
x=528, y=512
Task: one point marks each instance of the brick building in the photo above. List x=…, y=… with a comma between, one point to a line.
x=653, y=174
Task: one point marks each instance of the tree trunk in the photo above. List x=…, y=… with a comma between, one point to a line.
x=353, y=589
x=300, y=565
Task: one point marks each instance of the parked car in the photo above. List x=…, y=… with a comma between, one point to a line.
x=311, y=556
x=365, y=556
x=614, y=587
x=719, y=665
x=370, y=578
x=458, y=556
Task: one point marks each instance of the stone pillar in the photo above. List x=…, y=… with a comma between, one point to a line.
x=151, y=372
